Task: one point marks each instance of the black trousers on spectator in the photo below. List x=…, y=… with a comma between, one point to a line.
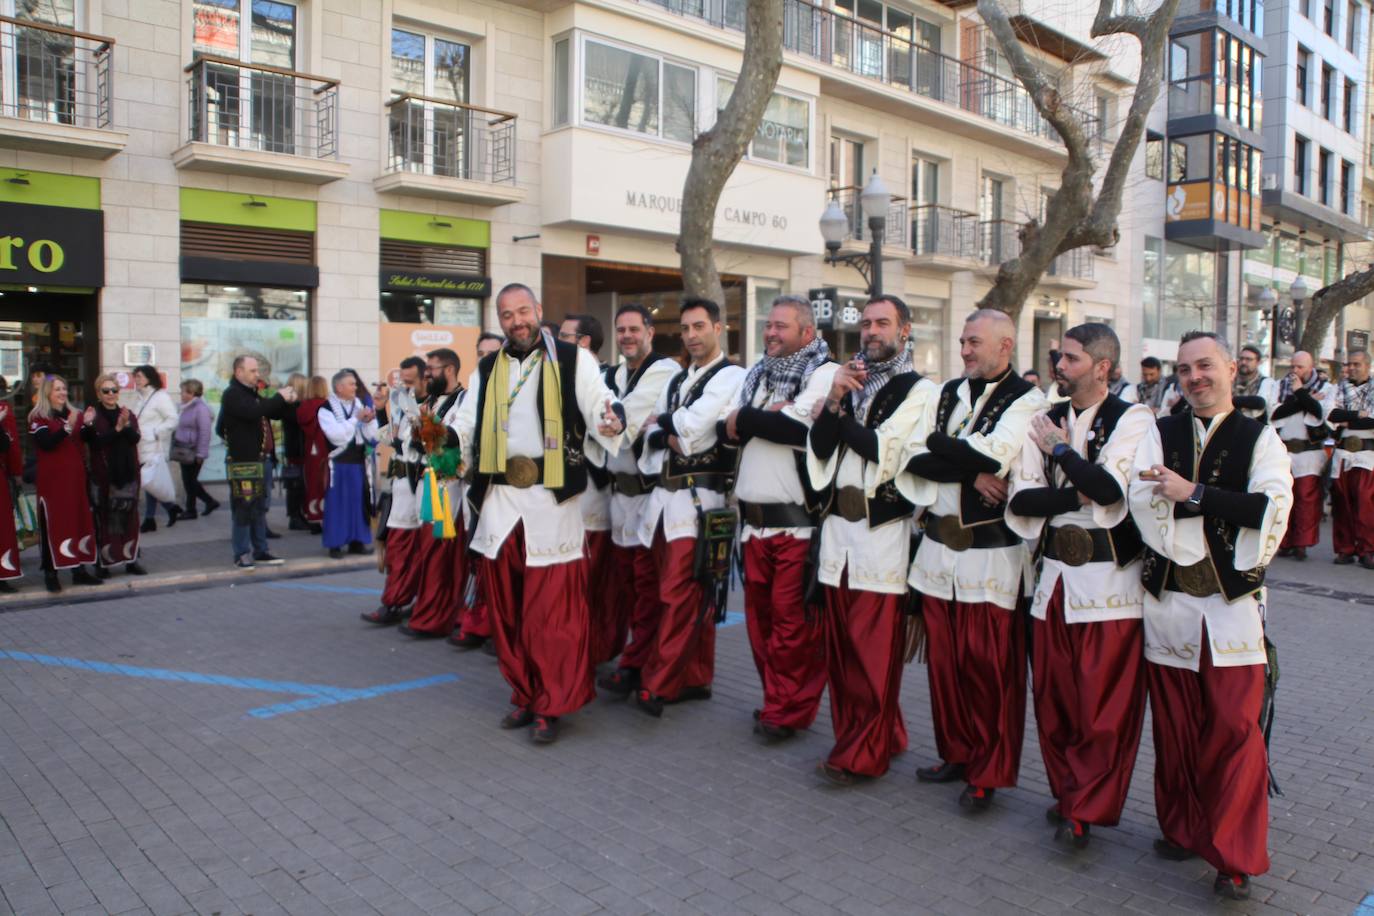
x=190, y=482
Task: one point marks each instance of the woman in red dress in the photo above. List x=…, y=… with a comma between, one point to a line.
x=111, y=435
x=12, y=466
x=66, y=529
x=315, y=451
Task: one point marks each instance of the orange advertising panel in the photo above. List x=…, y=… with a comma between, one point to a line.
x=402, y=340
x=1188, y=201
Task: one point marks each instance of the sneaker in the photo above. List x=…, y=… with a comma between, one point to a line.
x=245, y=562
x=267, y=559
x=517, y=718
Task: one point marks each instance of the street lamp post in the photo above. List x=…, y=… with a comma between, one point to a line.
x=874, y=201
x=1298, y=293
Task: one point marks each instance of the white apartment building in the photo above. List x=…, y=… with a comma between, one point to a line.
x=328, y=183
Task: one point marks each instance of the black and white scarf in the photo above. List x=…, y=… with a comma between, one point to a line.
x=784, y=375
x=1357, y=396
x=1314, y=384
x=879, y=374
x=343, y=413
x=1242, y=388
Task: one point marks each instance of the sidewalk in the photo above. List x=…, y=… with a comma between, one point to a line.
x=192, y=554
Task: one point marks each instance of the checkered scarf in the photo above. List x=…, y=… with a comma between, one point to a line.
x=879, y=374
x=784, y=375
x=1357, y=397
x=1315, y=384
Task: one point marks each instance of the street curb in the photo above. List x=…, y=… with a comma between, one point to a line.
x=125, y=586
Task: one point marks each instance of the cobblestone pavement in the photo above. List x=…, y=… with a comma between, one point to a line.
x=257, y=749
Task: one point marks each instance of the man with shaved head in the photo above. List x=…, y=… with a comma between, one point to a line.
x=1300, y=417
x=1352, y=493
x=969, y=568
x=1210, y=492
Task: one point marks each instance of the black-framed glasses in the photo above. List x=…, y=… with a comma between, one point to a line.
x=109, y=391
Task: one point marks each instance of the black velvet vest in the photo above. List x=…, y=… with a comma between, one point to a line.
x=574, y=428
x=719, y=459
x=1125, y=537
x=972, y=510
x=1225, y=463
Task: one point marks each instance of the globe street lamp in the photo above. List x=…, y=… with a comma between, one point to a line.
x=874, y=201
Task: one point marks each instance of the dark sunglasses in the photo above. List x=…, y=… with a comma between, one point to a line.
x=109, y=391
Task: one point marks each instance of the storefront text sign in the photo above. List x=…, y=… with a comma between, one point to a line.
x=55, y=246
x=744, y=216
x=448, y=284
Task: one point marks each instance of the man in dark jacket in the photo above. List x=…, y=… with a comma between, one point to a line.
x=245, y=421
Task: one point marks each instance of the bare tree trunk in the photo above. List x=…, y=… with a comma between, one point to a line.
x=1327, y=303
x=1073, y=217
x=717, y=151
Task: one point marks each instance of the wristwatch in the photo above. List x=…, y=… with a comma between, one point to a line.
x=1195, y=500
x=1060, y=450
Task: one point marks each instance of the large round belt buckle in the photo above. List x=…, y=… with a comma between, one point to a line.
x=521, y=472
x=1196, y=580
x=853, y=505
x=953, y=534
x=1073, y=544
x=1352, y=443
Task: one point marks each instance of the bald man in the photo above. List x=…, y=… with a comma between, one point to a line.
x=1300, y=418
x=970, y=566
x=1352, y=493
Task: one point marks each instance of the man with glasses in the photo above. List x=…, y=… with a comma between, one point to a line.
x=1352, y=492
x=1253, y=392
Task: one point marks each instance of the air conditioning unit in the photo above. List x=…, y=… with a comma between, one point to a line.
x=1270, y=182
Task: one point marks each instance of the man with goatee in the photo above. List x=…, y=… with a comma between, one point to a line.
x=876, y=407
x=532, y=404
x=1087, y=648
x=1210, y=491
x=779, y=508
x=970, y=567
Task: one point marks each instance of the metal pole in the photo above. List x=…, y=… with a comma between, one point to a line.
x=875, y=255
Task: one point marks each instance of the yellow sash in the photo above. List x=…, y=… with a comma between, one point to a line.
x=496, y=418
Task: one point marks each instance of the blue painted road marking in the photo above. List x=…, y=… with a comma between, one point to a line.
x=312, y=696
x=733, y=618
x=1366, y=908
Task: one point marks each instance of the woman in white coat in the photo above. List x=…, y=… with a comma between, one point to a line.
x=157, y=420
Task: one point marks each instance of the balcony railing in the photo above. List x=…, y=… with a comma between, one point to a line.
x=1074, y=264
x=55, y=74
x=894, y=229
x=867, y=51
x=263, y=109
x=450, y=140
x=998, y=240
x=937, y=230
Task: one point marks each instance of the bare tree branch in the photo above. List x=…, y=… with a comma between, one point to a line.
x=1073, y=217
x=1327, y=303
x=717, y=151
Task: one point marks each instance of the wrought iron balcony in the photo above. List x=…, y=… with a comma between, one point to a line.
x=998, y=240
x=59, y=83
x=263, y=109
x=894, y=229
x=1075, y=264
x=864, y=50
x=446, y=139
x=943, y=232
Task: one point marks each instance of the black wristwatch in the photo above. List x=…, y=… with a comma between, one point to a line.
x=1195, y=500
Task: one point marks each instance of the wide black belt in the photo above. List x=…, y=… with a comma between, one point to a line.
x=948, y=530
x=1075, y=545
x=1356, y=444
x=776, y=515
x=719, y=483
x=1297, y=446
x=633, y=484
x=1198, y=580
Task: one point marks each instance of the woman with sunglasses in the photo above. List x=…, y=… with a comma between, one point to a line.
x=111, y=435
